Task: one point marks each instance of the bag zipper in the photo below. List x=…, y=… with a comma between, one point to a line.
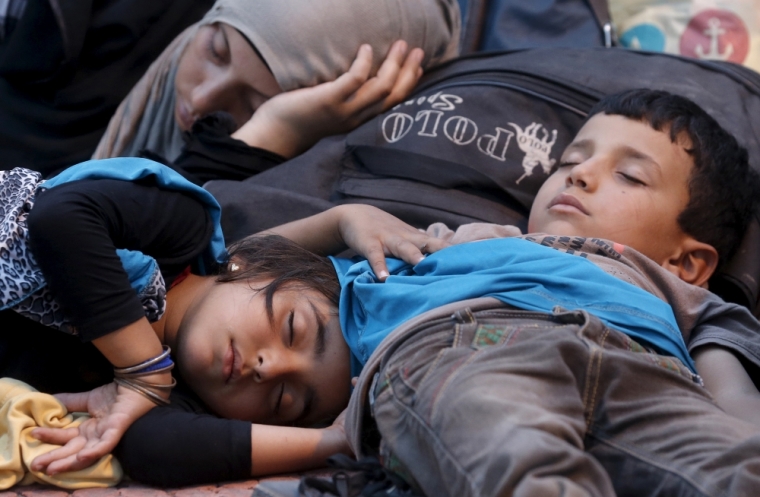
x=574, y=100
x=570, y=95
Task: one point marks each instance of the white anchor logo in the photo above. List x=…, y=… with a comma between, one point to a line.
x=536, y=150
x=714, y=32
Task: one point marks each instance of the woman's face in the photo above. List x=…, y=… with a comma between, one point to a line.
x=291, y=370
x=220, y=71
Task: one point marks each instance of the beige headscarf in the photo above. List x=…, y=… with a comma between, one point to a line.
x=304, y=42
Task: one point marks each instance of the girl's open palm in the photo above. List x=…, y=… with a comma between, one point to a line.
x=113, y=408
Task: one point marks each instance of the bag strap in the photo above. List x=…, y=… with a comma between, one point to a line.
x=601, y=10
x=473, y=22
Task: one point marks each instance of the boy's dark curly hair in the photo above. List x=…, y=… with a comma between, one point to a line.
x=722, y=187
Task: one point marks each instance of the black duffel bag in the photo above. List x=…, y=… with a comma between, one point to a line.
x=482, y=133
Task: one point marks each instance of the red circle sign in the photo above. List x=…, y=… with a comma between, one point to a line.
x=716, y=35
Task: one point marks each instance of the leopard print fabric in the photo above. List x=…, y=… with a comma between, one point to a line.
x=22, y=285
x=20, y=275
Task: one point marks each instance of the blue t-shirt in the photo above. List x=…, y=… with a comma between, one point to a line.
x=517, y=272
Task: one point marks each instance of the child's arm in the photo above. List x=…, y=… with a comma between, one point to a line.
x=370, y=231
x=113, y=408
x=178, y=446
x=293, y=121
x=74, y=231
x=728, y=382
x=283, y=449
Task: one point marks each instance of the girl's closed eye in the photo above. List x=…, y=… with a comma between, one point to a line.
x=291, y=329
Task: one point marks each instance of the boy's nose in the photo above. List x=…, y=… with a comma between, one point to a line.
x=581, y=176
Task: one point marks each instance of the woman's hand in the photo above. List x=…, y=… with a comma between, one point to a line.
x=291, y=122
x=113, y=408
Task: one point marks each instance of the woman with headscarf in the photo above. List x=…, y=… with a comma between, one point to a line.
x=243, y=53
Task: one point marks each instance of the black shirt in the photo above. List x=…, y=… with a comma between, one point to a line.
x=75, y=230
x=210, y=153
x=66, y=66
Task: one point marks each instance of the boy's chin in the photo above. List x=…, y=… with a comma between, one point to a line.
x=558, y=227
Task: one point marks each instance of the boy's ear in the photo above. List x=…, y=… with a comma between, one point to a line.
x=694, y=263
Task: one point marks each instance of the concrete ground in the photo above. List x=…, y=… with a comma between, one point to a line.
x=233, y=489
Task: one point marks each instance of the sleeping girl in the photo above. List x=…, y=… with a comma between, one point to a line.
x=253, y=339
x=110, y=324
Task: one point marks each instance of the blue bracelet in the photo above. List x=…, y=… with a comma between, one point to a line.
x=164, y=363
x=159, y=364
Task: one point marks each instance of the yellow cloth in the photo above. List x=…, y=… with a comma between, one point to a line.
x=23, y=409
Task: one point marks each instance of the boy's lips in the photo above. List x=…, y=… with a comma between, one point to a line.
x=565, y=200
x=232, y=365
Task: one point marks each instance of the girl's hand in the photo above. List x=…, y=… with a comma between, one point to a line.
x=291, y=122
x=336, y=434
x=376, y=234
x=113, y=408
x=368, y=230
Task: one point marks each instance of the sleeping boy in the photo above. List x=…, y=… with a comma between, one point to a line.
x=577, y=377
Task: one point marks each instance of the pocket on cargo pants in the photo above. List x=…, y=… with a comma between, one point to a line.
x=491, y=403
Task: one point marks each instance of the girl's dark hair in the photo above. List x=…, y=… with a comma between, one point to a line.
x=285, y=263
x=722, y=186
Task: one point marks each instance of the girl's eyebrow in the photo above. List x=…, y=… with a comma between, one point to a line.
x=319, y=343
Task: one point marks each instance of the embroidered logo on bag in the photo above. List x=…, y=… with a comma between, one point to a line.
x=535, y=141
x=536, y=149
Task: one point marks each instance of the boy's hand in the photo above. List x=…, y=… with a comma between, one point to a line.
x=291, y=122
x=376, y=234
x=113, y=408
